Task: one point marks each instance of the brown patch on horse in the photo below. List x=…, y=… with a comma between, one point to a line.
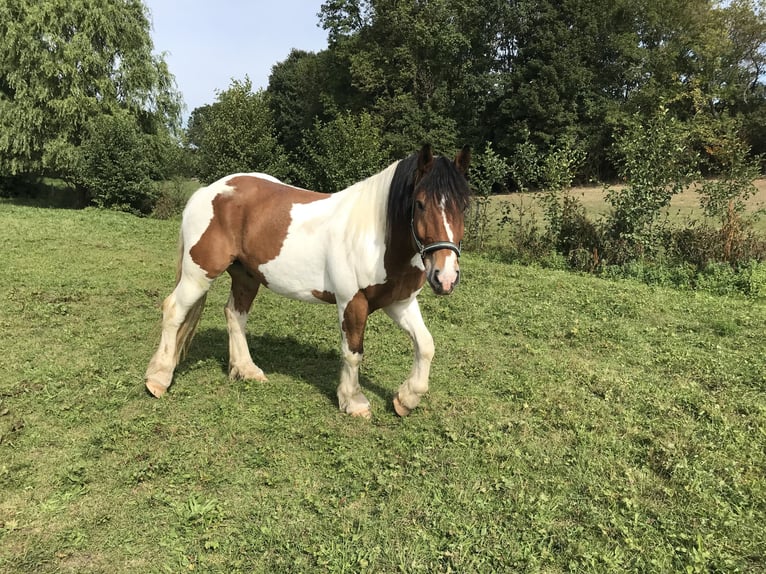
x=326, y=296
x=244, y=286
x=256, y=208
x=397, y=288
x=354, y=321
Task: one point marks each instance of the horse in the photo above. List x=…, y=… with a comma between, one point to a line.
x=370, y=246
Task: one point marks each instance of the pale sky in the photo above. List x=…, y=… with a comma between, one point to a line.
x=209, y=42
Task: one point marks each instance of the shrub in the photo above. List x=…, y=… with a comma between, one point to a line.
x=655, y=163
x=488, y=171
x=235, y=134
x=340, y=152
x=171, y=199
x=116, y=162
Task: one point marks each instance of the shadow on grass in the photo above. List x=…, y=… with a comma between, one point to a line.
x=281, y=355
x=49, y=194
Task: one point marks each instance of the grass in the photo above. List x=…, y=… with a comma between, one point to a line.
x=573, y=424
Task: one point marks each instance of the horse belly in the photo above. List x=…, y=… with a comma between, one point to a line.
x=321, y=270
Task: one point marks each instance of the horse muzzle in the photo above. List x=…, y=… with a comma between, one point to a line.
x=442, y=285
x=442, y=273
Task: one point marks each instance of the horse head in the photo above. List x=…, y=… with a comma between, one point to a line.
x=439, y=202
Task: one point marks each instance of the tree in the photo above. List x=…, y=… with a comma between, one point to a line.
x=303, y=88
x=236, y=135
x=64, y=63
x=403, y=59
x=340, y=152
x=117, y=164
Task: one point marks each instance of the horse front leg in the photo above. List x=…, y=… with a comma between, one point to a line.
x=407, y=315
x=353, y=319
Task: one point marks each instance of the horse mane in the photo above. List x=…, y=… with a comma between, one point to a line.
x=443, y=180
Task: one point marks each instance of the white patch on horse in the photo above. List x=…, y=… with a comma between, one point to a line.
x=447, y=226
x=448, y=276
x=334, y=244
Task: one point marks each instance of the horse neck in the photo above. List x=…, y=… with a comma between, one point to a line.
x=363, y=205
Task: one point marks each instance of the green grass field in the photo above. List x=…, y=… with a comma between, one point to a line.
x=573, y=424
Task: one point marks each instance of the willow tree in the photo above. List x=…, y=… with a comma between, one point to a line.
x=64, y=64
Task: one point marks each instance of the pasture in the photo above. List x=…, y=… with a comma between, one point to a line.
x=573, y=424
x=684, y=207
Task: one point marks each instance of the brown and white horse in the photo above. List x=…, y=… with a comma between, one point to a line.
x=371, y=246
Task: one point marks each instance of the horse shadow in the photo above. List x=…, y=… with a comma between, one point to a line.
x=281, y=355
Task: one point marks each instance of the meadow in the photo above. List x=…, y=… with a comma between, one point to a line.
x=574, y=424
x=684, y=207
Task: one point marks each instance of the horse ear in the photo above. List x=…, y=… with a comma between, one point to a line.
x=425, y=158
x=463, y=160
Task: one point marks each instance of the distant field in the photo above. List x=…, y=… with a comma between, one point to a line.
x=684, y=206
x=573, y=424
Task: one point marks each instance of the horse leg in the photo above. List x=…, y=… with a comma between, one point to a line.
x=181, y=311
x=244, y=288
x=353, y=319
x=407, y=315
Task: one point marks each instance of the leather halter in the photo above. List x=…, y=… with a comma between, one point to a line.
x=436, y=245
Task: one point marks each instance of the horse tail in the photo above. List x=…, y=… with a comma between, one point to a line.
x=190, y=322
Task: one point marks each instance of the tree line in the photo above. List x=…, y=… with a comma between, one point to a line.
x=527, y=83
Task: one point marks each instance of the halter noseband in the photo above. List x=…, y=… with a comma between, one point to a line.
x=436, y=245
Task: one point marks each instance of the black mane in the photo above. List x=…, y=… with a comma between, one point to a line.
x=443, y=180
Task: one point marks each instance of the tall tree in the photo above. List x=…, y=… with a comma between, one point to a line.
x=236, y=134
x=306, y=87
x=404, y=59
x=65, y=62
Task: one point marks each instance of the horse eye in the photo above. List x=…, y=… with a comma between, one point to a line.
x=420, y=205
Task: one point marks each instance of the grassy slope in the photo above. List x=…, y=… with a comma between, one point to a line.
x=573, y=424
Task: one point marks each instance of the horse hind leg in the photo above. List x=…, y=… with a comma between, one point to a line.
x=181, y=312
x=244, y=288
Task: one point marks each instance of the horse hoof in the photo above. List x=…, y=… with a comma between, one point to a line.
x=400, y=409
x=364, y=413
x=248, y=373
x=155, y=388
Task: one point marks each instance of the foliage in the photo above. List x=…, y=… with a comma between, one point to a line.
x=117, y=164
x=300, y=90
x=655, y=163
x=172, y=197
x=487, y=175
x=531, y=72
x=235, y=135
x=568, y=226
x=403, y=60
x=573, y=424
x=65, y=64
x=340, y=152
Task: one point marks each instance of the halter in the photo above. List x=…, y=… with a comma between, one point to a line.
x=436, y=245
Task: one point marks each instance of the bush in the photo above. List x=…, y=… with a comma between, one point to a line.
x=171, y=199
x=116, y=162
x=338, y=153
x=488, y=171
x=235, y=134
x=656, y=165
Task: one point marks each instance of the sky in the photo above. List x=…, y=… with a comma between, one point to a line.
x=207, y=43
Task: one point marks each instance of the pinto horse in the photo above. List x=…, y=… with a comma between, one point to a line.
x=371, y=246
